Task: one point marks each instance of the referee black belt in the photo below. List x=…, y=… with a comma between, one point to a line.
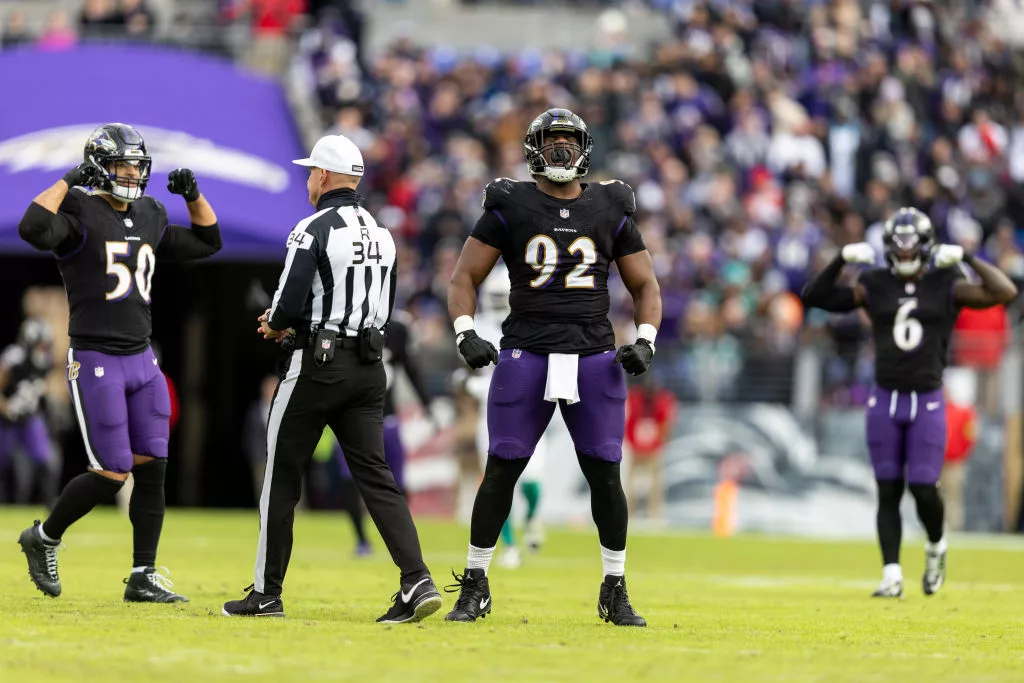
x=304, y=339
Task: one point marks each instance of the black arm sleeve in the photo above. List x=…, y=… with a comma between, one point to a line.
x=182, y=244
x=823, y=293
x=491, y=229
x=47, y=231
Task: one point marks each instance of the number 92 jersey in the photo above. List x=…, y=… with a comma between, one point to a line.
x=911, y=324
x=558, y=252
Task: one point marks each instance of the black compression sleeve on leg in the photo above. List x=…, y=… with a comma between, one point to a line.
x=930, y=509
x=890, y=526
x=607, y=500
x=81, y=495
x=494, y=500
x=146, y=510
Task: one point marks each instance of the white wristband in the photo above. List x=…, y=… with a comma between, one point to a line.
x=464, y=323
x=647, y=331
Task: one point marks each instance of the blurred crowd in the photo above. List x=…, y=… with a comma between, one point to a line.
x=759, y=138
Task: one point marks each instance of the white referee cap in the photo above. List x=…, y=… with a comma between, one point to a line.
x=335, y=153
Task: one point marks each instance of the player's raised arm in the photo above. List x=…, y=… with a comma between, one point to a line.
x=203, y=239
x=823, y=292
x=995, y=287
x=43, y=226
x=475, y=262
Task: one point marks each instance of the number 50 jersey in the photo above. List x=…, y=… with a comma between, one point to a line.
x=107, y=259
x=558, y=252
x=911, y=321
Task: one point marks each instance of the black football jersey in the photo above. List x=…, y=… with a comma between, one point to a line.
x=558, y=252
x=107, y=259
x=26, y=380
x=911, y=323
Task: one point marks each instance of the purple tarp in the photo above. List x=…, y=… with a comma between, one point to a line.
x=232, y=128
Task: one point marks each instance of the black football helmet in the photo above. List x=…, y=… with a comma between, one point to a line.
x=559, y=163
x=119, y=142
x=909, y=241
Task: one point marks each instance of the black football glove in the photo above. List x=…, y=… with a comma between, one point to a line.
x=86, y=174
x=636, y=358
x=183, y=181
x=478, y=352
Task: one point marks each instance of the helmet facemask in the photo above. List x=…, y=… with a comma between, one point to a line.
x=559, y=161
x=120, y=151
x=126, y=186
x=909, y=242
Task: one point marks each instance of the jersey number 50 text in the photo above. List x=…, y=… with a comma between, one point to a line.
x=145, y=266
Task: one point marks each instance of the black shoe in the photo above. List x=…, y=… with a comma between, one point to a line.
x=42, y=560
x=613, y=603
x=474, y=596
x=414, y=602
x=255, y=604
x=150, y=586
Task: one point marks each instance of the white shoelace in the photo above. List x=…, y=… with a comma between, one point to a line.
x=161, y=580
x=51, y=558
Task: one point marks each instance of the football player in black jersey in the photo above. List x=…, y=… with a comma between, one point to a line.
x=558, y=238
x=912, y=307
x=24, y=366
x=107, y=242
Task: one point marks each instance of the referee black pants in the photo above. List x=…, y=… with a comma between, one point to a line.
x=348, y=396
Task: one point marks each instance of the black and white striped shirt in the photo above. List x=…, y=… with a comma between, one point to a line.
x=339, y=272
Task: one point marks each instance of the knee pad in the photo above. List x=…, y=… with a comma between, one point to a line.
x=600, y=473
x=925, y=493
x=152, y=473
x=501, y=473
x=890, y=493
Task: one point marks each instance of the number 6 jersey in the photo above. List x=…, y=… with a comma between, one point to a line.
x=107, y=259
x=911, y=322
x=558, y=252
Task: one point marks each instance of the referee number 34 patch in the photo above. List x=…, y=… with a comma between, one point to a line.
x=300, y=239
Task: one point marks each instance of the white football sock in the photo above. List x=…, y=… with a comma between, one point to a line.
x=892, y=572
x=613, y=561
x=936, y=548
x=138, y=570
x=42, y=535
x=479, y=558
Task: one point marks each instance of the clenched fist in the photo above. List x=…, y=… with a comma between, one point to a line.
x=183, y=181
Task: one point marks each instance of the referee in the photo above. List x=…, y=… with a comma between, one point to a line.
x=329, y=311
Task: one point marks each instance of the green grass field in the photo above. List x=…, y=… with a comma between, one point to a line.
x=745, y=609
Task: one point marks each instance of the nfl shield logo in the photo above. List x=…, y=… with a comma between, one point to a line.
x=518, y=353
x=98, y=371
x=325, y=344
x=564, y=213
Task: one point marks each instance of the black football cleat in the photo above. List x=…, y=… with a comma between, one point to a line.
x=474, y=596
x=934, y=572
x=613, y=603
x=150, y=586
x=42, y=560
x=255, y=604
x=413, y=602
